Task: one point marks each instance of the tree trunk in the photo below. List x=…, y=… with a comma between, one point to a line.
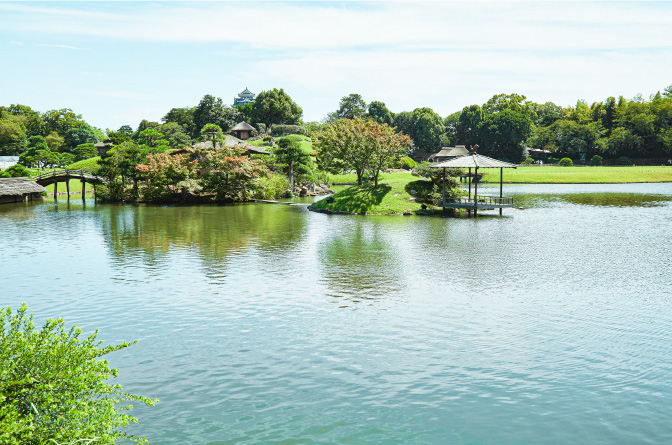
x=359, y=177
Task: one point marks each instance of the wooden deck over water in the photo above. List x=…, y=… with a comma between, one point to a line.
x=478, y=203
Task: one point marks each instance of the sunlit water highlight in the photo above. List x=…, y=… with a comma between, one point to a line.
x=264, y=323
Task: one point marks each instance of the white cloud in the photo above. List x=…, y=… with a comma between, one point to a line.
x=444, y=55
x=448, y=80
x=503, y=25
x=48, y=45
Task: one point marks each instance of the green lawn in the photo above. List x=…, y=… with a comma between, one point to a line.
x=90, y=164
x=391, y=196
x=580, y=175
x=75, y=186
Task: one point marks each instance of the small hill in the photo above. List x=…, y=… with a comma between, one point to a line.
x=90, y=164
x=393, y=195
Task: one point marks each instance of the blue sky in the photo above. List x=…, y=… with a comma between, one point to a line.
x=119, y=62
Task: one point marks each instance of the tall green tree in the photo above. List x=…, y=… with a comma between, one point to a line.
x=175, y=135
x=350, y=107
x=359, y=145
x=214, y=134
x=211, y=110
x=182, y=116
x=428, y=129
x=123, y=134
x=290, y=155
x=468, y=124
x=85, y=151
x=154, y=140
x=12, y=135
x=276, y=107
x=503, y=134
x=378, y=112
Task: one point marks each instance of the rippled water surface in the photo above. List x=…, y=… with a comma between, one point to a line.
x=268, y=323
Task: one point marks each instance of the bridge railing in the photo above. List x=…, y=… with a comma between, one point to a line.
x=71, y=174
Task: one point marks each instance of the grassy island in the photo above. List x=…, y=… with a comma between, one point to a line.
x=394, y=194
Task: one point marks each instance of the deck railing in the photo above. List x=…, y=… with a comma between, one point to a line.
x=482, y=199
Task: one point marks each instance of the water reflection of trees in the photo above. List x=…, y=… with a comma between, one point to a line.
x=611, y=199
x=360, y=265
x=151, y=234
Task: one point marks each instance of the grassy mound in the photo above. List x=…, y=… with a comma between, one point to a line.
x=391, y=196
x=90, y=164
x=305, y=142
x=580, y=175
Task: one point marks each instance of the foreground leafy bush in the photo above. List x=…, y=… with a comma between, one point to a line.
x=407, y=163
x=271, y=188
x=596, y=160
x=52, y=385
x=565, y=162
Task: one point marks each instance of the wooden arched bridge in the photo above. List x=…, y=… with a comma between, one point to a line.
x=56, y=176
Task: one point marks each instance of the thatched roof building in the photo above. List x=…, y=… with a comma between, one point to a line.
x=243, y=130
x=19, y=189
x=103, y=147
x=447, y=153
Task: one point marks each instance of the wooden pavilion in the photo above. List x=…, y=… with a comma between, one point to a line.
x=243, y=130
x=19, y=189
x=477, y=202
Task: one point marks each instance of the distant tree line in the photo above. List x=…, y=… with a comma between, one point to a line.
x=502, y=127
x=60, y=137
x=507, y=123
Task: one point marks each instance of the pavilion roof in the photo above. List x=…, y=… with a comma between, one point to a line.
x=474, y=160
x=243, y=126
x=460, y=150
x=19, y=186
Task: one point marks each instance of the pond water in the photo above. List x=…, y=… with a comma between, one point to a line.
x=269, y=323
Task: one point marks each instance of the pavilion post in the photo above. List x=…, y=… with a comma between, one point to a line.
x=55, y=190
x=501, y=181
x=476, y=192
x=469, y=181
x=67, y=187
x=444, y=187
x=83, y=190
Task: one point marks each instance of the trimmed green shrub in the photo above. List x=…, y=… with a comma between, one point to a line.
x=407, y=163
x=596, y=160
x=549, y=160
x=624, y=160
x=527, y=161
x=565, y=162
x=16, y=171
x=277, y=130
